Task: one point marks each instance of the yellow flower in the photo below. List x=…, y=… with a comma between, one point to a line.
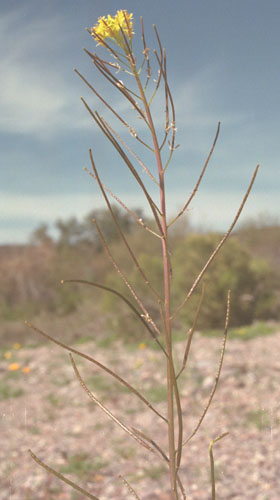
x=110, y=27
x=25, y=369
x=14, y=366
x=138, y=364
x=16, y=346
x=142, y=346
x=8, y=354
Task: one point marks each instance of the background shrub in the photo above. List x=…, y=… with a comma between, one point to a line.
x=31, y=274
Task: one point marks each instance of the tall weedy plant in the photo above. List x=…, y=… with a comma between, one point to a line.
x=115, y=35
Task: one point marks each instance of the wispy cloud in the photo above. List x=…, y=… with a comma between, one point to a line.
x=38, y=99
x=34, y=97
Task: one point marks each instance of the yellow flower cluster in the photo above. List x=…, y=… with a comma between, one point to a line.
x=110, y=27
x=142, y=346
x=15, y=366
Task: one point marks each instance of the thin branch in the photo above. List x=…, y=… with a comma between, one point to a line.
x=156, y=88
x=128, y=48
x=102, y=100
x=128, y=26
x=146, y=54
x=141, y=65
x=180, y=419
x=61, y=477
x=121, y=59
x=152, y=442
x=117, y=54
x=190, y=333
x=225, y=237
x=130, y=251
x=217, y=375
x=114, y=65
x=169, y=95
x=212, y=464
x=166, y=93
x=179, y=409
x=134, y=172
x=122, y=204
x=110, y=76
x=102, y=42
x=160, y=72
x=121, y=152
x=163, y=456
x=130, y=129
x=119, y=86
x=97, y=363
x=122, y=297
x=200, y=177
x=155, y=209
x=124, y=278
x=171, y=378
x=167, y=119
x=115, y=419
x=129, y=487
x=131, y=152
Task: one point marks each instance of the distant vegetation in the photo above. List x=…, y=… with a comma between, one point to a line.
x=249, y=264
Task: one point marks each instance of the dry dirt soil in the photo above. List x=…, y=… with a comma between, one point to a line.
x=46, y=410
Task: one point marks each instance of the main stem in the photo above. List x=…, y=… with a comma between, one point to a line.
x=167, y=275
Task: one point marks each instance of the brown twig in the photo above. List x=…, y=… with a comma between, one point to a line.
x=129, y=487
x=163, y=456
x=168, y=96
x=128, y=247
x=146, y=55
x=190, y=334
x=225, y=237
x=172, y=388
x=61, y=477
x=212, y=464
x=111, y=138
x=217, y=375
x=97, y=363
x=122, y=297
x=199, y=179
x=102, y=99
x=124, y=206
x=131, y=152
x=105, y=410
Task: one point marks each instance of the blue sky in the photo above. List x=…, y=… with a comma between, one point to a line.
x=223, y=64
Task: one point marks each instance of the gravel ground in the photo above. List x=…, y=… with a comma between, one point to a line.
x=47, y=411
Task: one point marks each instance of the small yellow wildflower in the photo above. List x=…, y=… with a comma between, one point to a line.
x=8, y=354
x=241, y=331
x=16, y=346
x=14, y=366
x=138, y=364
x=110, y=27
x=25, y=369
x=142, y=346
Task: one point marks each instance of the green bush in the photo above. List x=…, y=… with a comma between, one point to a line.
x=250, y=280
x=231, y=269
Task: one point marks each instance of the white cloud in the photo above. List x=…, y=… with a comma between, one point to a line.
x=37, y=99
x=34, y=98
